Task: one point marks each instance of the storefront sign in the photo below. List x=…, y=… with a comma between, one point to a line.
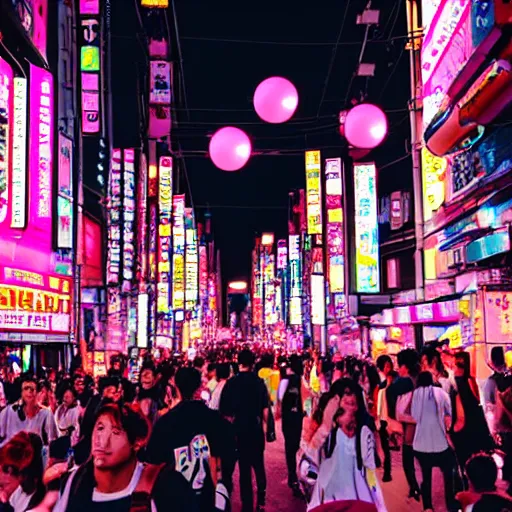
x=313, y=193
x=164, y=233
x=366, y=229
x=282, y=254
x=65, y=194
x=434, y=170
x=34, y=302
x=41, y=149
x=335, y=235
x=114, y=220
x=128, y=218
x=497, y=310
x=19, y=155
x=6, y=124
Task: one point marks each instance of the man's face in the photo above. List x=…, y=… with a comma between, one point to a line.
x=112, y=393
x=110, y=445
x=79, y=385
x=402, y=371
x=147, y=379
x=28, y=392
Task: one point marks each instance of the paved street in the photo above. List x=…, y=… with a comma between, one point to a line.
x=280, y=499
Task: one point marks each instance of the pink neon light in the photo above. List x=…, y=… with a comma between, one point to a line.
x=89, y=6
x=40, y=13
x=6, y=90
x=41, y=151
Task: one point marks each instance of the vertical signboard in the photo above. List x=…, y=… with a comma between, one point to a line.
x=41, y=149
x=6, y=91
x=270, y=291
x=282, y=254
x=256, y=287
x=65, y=194
x=334, y=223
x=114, y=220
x=164, y=233
x=191, y=261
x=19, y=155
x=178, y=257
x=295, y=307
x=160, y=82
x=203, y=278
x=317, y=299
x=142, y=225
x=90, y=65
x=366, y=229
x=128, y=218
x=313, y=193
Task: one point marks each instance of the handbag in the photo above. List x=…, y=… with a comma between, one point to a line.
x=271, y=427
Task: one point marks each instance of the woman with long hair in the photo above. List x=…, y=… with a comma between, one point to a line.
x=347, y=458
x=21, y=472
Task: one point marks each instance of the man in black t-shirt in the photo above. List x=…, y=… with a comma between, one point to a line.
x=245, y=402
x=192, y=437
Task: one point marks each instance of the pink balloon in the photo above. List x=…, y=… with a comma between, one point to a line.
x=230, y=148
x=366, y=126
x=275, y=100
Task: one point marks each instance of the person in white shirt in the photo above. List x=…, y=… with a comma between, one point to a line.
x=432, y=411
x=222, y=372
x=67, y=416
x=27, y=415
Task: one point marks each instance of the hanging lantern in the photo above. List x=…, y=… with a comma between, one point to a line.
x=366, y=126
x=275, y=100
x=230, y=148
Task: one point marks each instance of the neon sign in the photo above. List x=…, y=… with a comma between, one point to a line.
x=434, y=171
x=282, y=254
x=295, y=315
x=90, y=65
x=128, y=217
x=114, y=220
x=178, y=257
x=313, y=193
x=162, y=4
x=334, y=212
x=164, y=233
x=270, y=292
x=160, y=82
x=191, y=270
x=41, y=148
x=366, y=229
x=5, y=124
x=65, y=191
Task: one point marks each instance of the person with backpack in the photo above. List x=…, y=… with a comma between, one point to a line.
x=292, y=414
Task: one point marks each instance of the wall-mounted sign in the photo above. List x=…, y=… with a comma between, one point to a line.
x=164, y=233
x=282, y=254
x=19, y=155
x=160, y=82
x=335, y=226
x=65, y=194
x=366, y=229
x=178, y=258
x=295, y=304
x=313, y=193
x=191, y=269
x=41, y=149
x=90, y=66
x=114, y=220
x=317, y=299
x=128, y=217
x=6, y=91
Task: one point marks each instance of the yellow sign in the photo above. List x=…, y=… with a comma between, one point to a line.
x=434, y=173
x=161, y=4
x=313, y=193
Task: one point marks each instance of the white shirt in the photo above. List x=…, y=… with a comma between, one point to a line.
x=19, y=500
x=216, y=395
x=97, y=496
x=10, y=424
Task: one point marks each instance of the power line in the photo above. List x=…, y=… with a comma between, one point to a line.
x=240, y=207
x=333, y=59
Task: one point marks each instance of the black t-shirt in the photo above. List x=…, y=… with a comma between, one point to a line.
x=187, y=436
x=244, y=399
x=493, y=503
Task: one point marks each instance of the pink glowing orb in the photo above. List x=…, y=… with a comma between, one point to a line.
x=230, y=148
x=366, y=126
x=275, y=100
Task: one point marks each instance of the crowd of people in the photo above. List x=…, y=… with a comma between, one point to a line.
x=172, y=440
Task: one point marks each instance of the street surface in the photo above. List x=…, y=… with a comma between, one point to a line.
x=280, y=499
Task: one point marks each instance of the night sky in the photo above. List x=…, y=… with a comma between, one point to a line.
x=280, y=38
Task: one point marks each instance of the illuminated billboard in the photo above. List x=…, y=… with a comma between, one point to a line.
x=6, y=122
x=178, y=256
x=282, y=254
x=270, y=291
x=295, y=305
x=128, y=218
x=160, y=82
x=114, y=220
x=41, y=150
x=33, y=15
x=162, y=4
x=433, y=170
x=313, y=193
x=366, y=229
x=90, y=66
x=19, y=155
x=164, y=233
x=335, y=226
x=65, y=193
x=317, y=299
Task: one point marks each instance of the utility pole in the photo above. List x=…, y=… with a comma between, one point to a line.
x=415, y=114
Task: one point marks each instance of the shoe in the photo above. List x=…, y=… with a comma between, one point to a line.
x=387, y=477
